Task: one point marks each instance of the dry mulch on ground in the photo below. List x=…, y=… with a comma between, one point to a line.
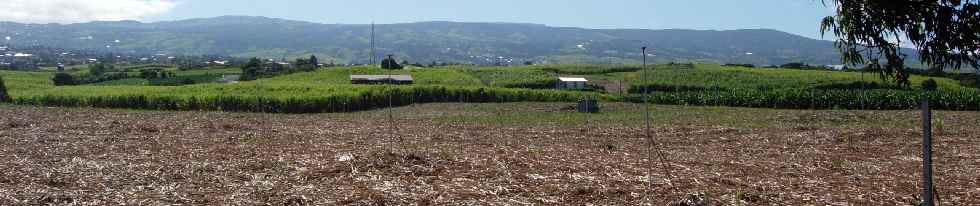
x=109, y=157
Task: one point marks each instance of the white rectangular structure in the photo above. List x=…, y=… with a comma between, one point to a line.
x=381, y=79
x=572, y=82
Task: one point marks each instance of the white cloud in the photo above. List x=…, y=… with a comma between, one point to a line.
x=74, y=11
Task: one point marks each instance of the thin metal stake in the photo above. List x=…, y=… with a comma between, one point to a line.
x=661, y=155
x=646, y=117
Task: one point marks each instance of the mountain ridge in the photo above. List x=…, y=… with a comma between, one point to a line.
x=442, y=41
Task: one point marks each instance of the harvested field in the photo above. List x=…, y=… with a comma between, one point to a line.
x=470, y=154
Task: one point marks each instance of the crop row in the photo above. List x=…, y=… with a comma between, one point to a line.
x=376, y=97
x=818, y=99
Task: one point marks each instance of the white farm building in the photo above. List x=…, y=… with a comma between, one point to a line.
x=572, y=82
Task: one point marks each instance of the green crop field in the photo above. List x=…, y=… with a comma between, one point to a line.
x=715, y=77
x=329, y=89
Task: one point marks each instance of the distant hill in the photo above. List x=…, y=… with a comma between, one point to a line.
x=425, y=41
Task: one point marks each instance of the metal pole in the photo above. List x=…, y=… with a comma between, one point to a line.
x=392, y=125
x=373, y=51
x=927, y=187
x=646, y=92
x=646, y=117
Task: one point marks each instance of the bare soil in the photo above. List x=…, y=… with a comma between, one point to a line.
x=112, y=157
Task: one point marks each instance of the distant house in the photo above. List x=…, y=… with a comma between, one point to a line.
x=381, y=79
x=572, y=82
x=230, y=77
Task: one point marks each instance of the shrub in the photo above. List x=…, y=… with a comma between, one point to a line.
x=4, y=96
x=61, y=79
x=251, y=70
x=930, y=85
x=98, y=69
x=150, y=73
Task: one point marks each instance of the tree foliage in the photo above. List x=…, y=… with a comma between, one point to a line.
x=945, y=32
x=156, y=74
x=306, y=65
x=99, y=69
x=61, y=79
x=251, y=70
x=314, y=61
x=390, y=63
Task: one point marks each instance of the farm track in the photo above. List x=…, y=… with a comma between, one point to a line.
x=113, y=157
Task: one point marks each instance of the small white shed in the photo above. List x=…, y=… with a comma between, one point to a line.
x=572, y=82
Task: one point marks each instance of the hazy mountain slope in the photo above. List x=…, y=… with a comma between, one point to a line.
x=425, y=41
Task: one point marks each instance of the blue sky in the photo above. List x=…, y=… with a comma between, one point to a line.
x=795, y=16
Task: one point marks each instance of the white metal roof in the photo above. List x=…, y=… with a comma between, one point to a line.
x=381, y=77
x=572, y=79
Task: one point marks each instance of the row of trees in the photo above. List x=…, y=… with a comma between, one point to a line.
x=255, y=68
x=105, y=72
x=64, y=79
x=156, y=74
x=96, y=73
x=100, y=69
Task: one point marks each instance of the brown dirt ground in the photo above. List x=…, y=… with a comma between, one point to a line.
x=113, y=157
